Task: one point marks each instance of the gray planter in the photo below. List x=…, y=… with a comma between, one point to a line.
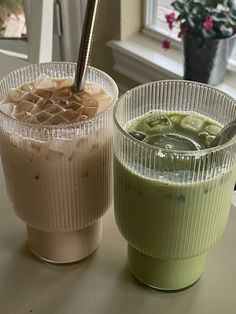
x=206, y=60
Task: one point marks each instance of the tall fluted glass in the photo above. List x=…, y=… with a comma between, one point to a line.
x=58, y=177
x=171, y=206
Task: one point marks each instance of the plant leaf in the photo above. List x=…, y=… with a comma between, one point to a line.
x=177, y=5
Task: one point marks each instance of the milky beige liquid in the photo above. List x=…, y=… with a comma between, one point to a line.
x=59, y=184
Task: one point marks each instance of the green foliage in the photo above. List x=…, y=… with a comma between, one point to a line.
x=192, y=15
x=12, y=5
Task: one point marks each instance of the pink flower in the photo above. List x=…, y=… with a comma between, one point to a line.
x=182, y=32
x=170, y=19
x=208, y=23
x=166, y=44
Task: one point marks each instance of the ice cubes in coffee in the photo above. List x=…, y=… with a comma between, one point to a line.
x=51, y=101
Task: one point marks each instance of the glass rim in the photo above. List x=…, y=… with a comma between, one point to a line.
x=196, y=153
x=71, y=125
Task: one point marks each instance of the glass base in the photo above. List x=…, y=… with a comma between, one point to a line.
x=64, y=247
x=172, y=274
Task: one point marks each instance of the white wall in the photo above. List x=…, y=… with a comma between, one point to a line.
x=117, y=19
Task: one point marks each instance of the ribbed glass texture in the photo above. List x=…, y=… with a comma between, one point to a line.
x=58, y=177
x=172, y=204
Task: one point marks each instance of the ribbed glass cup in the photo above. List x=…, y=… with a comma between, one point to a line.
x=171, y=206
x=59, y=177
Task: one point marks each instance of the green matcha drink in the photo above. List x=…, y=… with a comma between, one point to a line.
x=175, y=130
x=172, y=191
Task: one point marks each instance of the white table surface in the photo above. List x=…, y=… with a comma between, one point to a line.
x=102, y=284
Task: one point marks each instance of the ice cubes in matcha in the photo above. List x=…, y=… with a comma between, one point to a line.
x=153, y=123
x=192, y=123
x=184, y=131
x=176, y=118
x=213, y=129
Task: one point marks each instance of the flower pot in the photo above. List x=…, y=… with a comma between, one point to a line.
x=206, y=60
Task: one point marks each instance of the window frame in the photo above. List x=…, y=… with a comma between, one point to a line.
x=150, y=6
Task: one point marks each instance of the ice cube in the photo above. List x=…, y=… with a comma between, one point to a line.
x=63, y=102
x=70, y=115
x=24, y=105
x=54, y=109
x=63, y=92
x=34, y=110
x=66, y=82
x=77, y=98
x=45, y=82
x=43, y=116
x=80, y=111
x=58, y=119
x=93, y=89
x=90, y=112
x=15, y=95
x=157, y=121
x=27, y=87
x=44, y=93
x=31, y=97
x=153, y=123
x=104, y=103
x=192, y=123
x=7, y=108
x=176, y=118
x=88, y=100
x=44, y=103
x=213, y=129
x=74, y=105
x=22, y=116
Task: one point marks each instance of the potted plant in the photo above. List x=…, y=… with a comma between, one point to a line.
x=208, y=29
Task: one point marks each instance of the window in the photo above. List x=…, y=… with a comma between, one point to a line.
x=13, y=31
x=155, y=17
x=12, y=20
x=155, y=24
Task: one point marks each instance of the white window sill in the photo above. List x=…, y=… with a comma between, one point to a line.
x=142, y=59
x=14, y=54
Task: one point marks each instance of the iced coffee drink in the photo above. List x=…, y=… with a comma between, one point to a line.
x=56, y=155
